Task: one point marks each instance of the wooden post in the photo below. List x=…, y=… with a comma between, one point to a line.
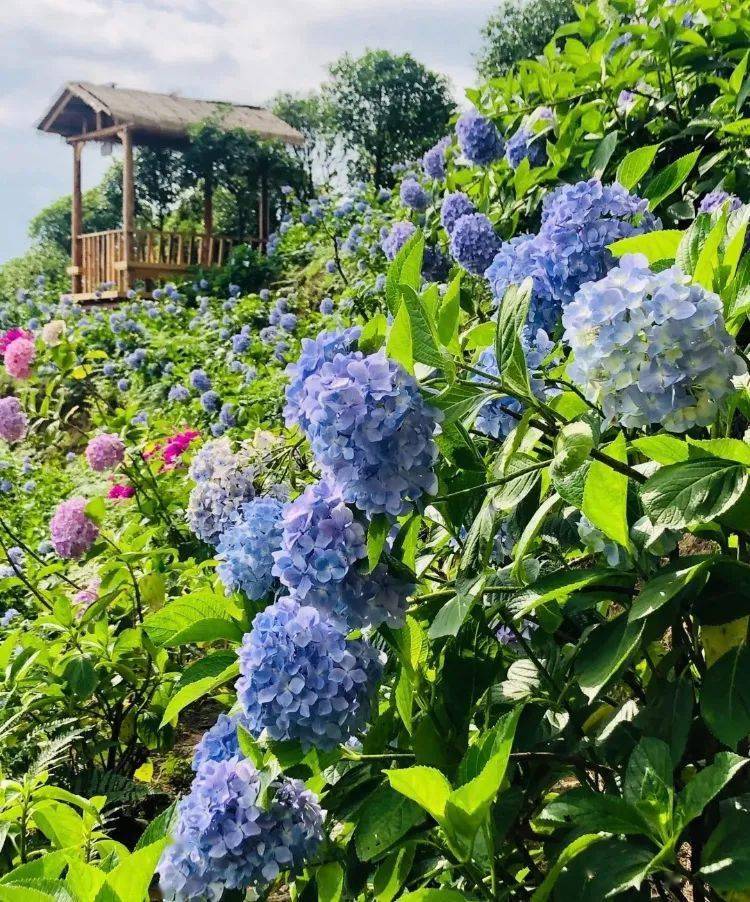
x=128, y=204
x=264, y=225
x=76, y=221
x=208, y=219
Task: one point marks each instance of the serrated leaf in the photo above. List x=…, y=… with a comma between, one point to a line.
x=635, y=165
x=605, y=494
x=693, y=490
x=670, y=179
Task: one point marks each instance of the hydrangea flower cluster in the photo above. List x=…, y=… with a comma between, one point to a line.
x=13, y=419
x=301, y=678
x=433, y=161
x=525, y=144
x=105, y=452
x=221, y=742
x=473, y=242
x=716, y=199
x=313, y=354
x=11, y=335
x=651, y=347
x=225, y=839
x=396, y=238
x=120, y=491
x=362, y=600
x=246, y=548
x=224, y=484
x=371, y=431
x=478, y=138
x=413, y=195
x=19, y=355
x=71, y=530
x=320, y=540
x=455, y=206
x=578, y=222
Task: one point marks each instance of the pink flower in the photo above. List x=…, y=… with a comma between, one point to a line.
x=177, y=445
x=87, y=596
x=72, y=532
x=105, y=451
x=18, y=357
x=13, y=420
x=120, y=490
x=11, y=335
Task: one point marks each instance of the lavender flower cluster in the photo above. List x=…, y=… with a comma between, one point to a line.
x=223, y=484
x=245, y=550
x=651, y=347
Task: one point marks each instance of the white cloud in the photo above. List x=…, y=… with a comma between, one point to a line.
x=239, y=50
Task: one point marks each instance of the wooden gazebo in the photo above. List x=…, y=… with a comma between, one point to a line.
x=118, y=257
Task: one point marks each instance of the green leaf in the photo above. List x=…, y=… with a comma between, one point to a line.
x=399, y=344
x=669, y=179
x=607, y=649
x=544, y=890
x=572, y=447
x=693, y=490
x=197, y=689
x=434, y=895
x=405, y=698
x=450, y=618
x=653, y=245
x=192, y=618
x=708, y=258
x=649, y=786
x=392, y=874
x=705, y=786
x=591, y=811
x=330, y=880
x=450, y=310
x=131, y=878
x=96, y=510
x=532, y=528
x=511, y=359
x=602, y=155
x=48, y=867
x=377, y=533
x=604, y=870
x=668, y=585
x=153, y=590
x=605, y=495
x=384, y=817
x=424, y=785
x=635, y=165
x=561, y=585
x=425, y=342
x=80, y=676
x=725, y=860
x=664, y=449
x=373, y=334
x=249, y=746
x=159, y=828
x=725, y=696
x=406, y=269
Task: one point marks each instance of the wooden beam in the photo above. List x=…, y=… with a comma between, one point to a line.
x=128, y=198
x=76, y=220
x=100, y=134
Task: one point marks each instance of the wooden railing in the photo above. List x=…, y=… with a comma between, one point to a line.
x=106, y=269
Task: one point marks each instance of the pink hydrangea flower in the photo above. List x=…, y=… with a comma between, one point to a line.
x=13, y=420
x=11, y=335
x=18, y=357
x=87, y=596
x=120, y=490
x=177, y=445
x=71, y=531
x=105, y=451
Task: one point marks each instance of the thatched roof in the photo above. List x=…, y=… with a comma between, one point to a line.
x=155, y=118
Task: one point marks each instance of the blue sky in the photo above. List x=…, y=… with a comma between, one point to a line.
x=239, y=50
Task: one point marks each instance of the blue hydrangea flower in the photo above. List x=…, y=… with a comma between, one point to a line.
x=136, y=359
x=226, y=415
x=210, y=401
x=413, y=195
x=301, y=678
x=178, y=393
x=433, y=162
x=435, y=264
x=326, y=306
x=313, y=354
x=716, y=199
x=200, y=381
x=396, y=238
x=225, y=839
x=246, y=549
x=525, y=143
x=371, y=431
x=455, y=206
x=578, y=222
x=362, y=600
x=224, y=484
x=523, y=257
x=478, y=138
x=220, y=742
x=474, y=242
x=288, y=322
x=651, y=348
x=320, y=541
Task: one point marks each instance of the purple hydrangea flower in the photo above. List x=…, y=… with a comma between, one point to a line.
x=200, y=381
x=246, y=549
x=326, y=306
x=219, y=743
x=226, y=838
x=8, y=617
x=413, y=195
x=371, y=431
x=71, y=530
x=13, y=420
x=435, y=264
x=224, y=484
x=210, y=401
x=478, y=138
x=651, y=348
x=288, y=322
x=474, y=242
x=396, y=238
x=455, y=206
x=301, y=678
x=525, y=143
x=716, y=199
x=178, y=393
x=433, y=162
x=105, y=452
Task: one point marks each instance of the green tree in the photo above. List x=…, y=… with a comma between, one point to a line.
x=384, y=109
x=307, y=113
x=519, y=31
x=159, y=182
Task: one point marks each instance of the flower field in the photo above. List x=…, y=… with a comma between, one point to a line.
x=423, y=573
